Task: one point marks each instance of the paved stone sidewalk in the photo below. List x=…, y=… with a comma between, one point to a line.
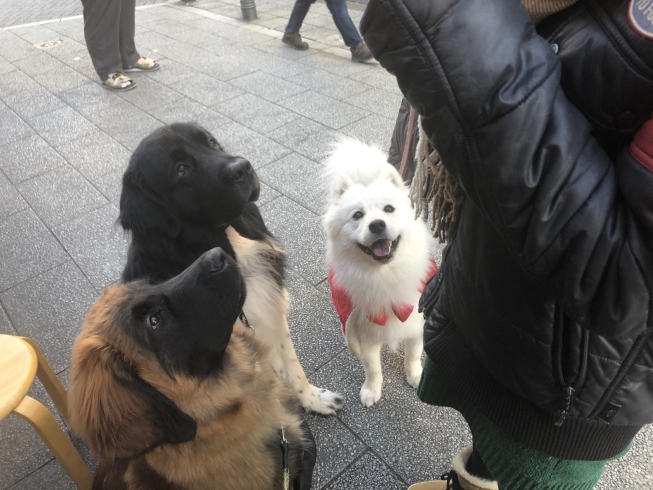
x=64, y=142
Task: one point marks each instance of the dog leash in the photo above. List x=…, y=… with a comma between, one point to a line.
x=284, y=454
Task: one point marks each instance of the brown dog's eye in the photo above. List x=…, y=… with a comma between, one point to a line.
x=389, y=209
x=181, y=170
x=214, y=144
x=154, y=321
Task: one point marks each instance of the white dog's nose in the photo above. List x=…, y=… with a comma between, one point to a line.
x=377, y=226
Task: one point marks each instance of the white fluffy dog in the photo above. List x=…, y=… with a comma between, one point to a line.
x=379, y=259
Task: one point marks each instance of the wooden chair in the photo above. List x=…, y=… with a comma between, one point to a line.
x=20, y=361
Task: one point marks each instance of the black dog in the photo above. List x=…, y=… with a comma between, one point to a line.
x=182, y=195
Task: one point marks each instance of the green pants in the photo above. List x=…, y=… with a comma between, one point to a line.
x=513, y=465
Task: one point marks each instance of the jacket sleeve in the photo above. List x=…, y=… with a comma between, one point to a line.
x=488, y=89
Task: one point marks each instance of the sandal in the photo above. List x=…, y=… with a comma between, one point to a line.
x=119, y=82
x=143, y=64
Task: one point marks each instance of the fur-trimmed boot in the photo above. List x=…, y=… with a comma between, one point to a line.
x=458, y=478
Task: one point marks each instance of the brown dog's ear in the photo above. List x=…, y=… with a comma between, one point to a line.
x=139, y=210
x=117, y=413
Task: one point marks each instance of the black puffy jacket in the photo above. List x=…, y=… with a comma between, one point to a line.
x=541, y=313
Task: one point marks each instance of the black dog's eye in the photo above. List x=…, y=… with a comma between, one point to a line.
x=389, y=209
x=182, y=169
x=358, y=215
x=214, y=144
x=154, y=320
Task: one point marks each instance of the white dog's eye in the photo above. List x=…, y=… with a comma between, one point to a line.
x=389, y=209
x=358, y=215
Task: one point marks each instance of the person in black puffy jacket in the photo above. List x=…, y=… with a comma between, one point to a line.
x=538, y=324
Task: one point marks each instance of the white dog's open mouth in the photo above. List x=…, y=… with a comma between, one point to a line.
x=381, y=250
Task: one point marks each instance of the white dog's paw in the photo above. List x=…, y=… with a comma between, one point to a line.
x=370, y=395
x=320, y=401
x=414, y=374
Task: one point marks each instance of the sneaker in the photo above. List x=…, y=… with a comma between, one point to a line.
x=119, y=82
x=361, y=53
x=143, y=64
x=295, y=41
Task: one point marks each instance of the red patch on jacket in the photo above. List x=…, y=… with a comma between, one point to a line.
x=642, y=146
x=344, y=307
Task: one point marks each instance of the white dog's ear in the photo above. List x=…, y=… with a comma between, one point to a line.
x=391, y=174
x=344, y=183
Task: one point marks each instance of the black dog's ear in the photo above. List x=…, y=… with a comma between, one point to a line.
x=140, y=212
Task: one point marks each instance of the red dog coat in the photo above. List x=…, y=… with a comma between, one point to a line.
x=344, y=307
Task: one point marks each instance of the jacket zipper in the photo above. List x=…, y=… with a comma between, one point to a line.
x=569, y=387
x=621, y=374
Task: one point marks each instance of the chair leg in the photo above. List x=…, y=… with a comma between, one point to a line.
x=49, y=379
x=47, y=428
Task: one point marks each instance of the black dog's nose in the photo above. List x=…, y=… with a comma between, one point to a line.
x=238, y=169
x=377, y=226
x=215, y=259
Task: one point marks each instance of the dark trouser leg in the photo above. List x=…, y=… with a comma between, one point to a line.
x=102, y=33
x=128, y=52
x=345, y=25
x=297, y=16
x=476, y=466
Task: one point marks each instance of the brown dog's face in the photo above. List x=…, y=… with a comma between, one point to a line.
x=136, y=331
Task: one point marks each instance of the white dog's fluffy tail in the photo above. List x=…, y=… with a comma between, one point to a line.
x=354, y=162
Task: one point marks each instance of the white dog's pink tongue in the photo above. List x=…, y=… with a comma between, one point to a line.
x=381, y=248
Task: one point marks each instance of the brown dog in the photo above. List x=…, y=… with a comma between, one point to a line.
x=172, y=391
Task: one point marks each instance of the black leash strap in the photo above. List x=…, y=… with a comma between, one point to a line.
x=284, y=460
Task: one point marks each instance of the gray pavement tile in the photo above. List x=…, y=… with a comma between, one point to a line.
x=150, y=94
x=27, y=158
x=90, y=98
x=415, y=439
x=6, y=67
x=335, y=64
x=206, y=90
x=36, y=34
x=33, y=103
x=124, y=122
x=272, y=22
x=152, y=40
x=28, y=248
x=68, y=49
x=318, y=20
x=224, y=68
x=325, y=35
x=197, y=38
x=633, y=471
x=69, y=29
x=373, y=130
x=16, y=82
x=50, y=309
x=256, y=113
x=343, y=448
x=186, y=55
x=171, y=72
x=267, y=86
x=300, y=232
x=95, y=155
x=51, y=476
x=367, y=472
x=211, y=26
x=378, y=78
x=239, y=140
x=298, y=178
x=10, y=200
x=61, y=195
x=129, y=137
x=328, y=84
x=323, y=109
x=276, y=47
x=62, y=125
x=167, y=26
x=96, y=244
x=38, y=64
x=5, y=325
x=12, y=127
x=61, y=80
x=267, y=195
x=306, y=137
x=377, y=101
x=314, y=325
x=186, y=110
x=110, y=185
x=14, y=48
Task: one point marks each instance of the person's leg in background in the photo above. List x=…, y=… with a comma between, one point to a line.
x=131, y=60
x=102, y=32
x=292, y=37
x=353, y=40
